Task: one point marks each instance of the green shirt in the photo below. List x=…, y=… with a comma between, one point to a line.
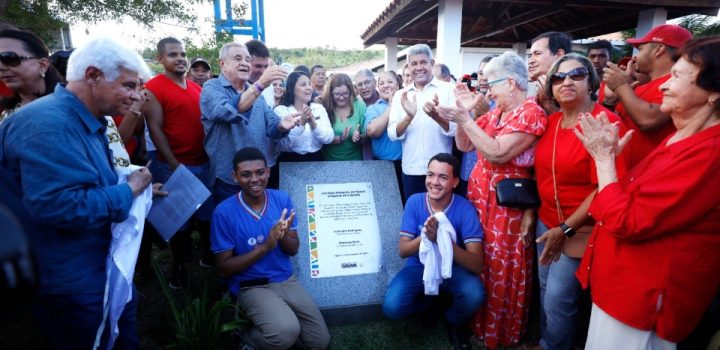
x=347, y=150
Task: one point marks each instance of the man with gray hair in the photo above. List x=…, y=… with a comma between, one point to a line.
x=366, y=86
x=442, y=72
x=235, y=116
x=415, y=122
x=57, y=173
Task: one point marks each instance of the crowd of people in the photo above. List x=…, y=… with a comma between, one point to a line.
x=623, y=158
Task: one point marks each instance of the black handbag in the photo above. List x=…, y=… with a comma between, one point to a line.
x=517, y=193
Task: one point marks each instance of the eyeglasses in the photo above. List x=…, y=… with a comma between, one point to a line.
x=12, y=59
x=577, y=74
x=341, y=94
x=496, y=81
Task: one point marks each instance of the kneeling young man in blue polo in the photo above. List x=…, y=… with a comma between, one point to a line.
x=253, y=235
x=406, y=293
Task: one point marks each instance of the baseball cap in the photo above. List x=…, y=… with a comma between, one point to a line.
x=666, y=34
x=201, y=60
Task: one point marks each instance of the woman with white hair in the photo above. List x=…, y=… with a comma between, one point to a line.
x=504, y=139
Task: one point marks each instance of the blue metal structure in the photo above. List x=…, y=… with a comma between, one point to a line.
x=254, y=26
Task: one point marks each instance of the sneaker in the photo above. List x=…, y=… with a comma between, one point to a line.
x=178, y=277
x=459, y=337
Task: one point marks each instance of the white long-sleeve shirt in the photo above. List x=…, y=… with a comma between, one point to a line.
x=303, y=140
x=424, y=137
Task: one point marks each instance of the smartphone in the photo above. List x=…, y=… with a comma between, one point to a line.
x=254, y=283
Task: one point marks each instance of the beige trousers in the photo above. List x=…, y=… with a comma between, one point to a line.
x=283, y=314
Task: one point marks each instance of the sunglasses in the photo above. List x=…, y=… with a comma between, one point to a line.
x=577, y=74
x=12, y=59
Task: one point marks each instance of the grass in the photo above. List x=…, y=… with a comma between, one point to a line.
x=155, y=330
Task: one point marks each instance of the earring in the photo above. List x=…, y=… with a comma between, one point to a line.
x=42, y=74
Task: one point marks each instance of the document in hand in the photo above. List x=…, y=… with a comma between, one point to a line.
x=185, y=195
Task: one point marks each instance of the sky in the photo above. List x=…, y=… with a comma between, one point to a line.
x=288, y=24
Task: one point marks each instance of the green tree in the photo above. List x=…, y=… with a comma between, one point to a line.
x=44, y=16
x=698, y=25
x=701, y=25
x=327, y=57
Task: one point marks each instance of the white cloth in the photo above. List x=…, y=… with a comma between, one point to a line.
x=606, y=332
x=424, y=137
x=437, y=256
x=302, y=139
x=120, y=267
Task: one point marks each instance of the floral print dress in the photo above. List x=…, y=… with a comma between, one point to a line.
x=507, y=268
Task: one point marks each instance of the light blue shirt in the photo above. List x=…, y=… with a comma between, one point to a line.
x=383, y=148
x=228, y=131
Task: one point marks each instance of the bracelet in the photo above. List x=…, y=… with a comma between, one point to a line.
x=609, y=106
x=567, y=230
x=254, y=92
x=258, y=87
x=137, y=113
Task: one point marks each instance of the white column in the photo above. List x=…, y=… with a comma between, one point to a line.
x=647, y=19
x=520, y=48
x=391, y=51
x=448, y=34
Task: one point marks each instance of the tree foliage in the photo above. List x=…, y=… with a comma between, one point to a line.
x=327, y=57
x=698, y=25
x=44, y=16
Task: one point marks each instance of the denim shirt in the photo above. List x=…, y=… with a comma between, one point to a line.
x=227, y=130
x=57, y=171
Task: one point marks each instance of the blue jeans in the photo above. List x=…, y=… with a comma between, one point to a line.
x=71, y=321
x=406, y=294
x=560, y=294
x=222, y=191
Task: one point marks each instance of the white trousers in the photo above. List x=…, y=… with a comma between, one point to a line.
x=608, y=333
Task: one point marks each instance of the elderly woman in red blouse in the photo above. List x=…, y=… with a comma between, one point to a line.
x=652, y=261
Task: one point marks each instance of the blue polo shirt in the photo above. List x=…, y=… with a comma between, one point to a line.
x=460, y=212
x=235, y=226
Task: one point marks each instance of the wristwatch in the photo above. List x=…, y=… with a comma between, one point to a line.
x=567, y=230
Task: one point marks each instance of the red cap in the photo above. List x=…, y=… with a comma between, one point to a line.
x=666, y=34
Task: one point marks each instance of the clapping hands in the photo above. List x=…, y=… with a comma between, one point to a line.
x=280, y=229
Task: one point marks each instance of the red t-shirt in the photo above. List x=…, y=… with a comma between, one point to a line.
x=644, y=142
x=181, y=119
x=574, y=168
